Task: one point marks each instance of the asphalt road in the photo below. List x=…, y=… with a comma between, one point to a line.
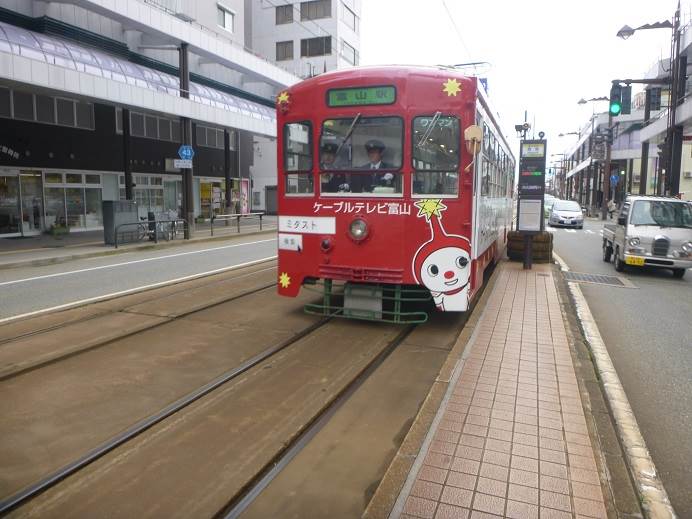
x=648, y=332
x=31, y=289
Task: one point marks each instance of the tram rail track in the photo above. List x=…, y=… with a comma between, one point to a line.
x=178, y=288
x=28, y=395
x=244, y=499
x=9, y=369
x=19, y=498
x=137, y=438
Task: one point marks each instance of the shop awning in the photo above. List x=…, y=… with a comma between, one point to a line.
x=582, y=165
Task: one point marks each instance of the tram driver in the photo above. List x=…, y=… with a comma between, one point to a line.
x=375, y=150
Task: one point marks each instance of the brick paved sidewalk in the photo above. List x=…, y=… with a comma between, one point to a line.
x=510, y=438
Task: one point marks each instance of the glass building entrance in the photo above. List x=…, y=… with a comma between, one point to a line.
x=21, y=204
x=10, y=214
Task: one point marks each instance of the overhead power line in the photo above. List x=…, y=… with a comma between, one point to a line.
x=456, y=29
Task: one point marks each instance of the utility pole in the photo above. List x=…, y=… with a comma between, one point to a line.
x=606, y=173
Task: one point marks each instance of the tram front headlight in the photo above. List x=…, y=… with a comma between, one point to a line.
x=358, y=229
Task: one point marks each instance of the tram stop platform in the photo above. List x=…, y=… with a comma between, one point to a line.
x=44, y=249
x=510, y=437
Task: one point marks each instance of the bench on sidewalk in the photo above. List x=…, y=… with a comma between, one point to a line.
x=237, y=217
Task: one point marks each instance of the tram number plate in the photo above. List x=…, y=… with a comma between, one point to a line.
x=633, y=260
x=291, y=242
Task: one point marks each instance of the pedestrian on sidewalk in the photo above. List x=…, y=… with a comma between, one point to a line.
x=611, y=208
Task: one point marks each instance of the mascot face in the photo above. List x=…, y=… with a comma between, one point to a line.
x=446, y=269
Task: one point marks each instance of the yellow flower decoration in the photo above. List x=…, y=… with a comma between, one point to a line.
x=284, y=280
x=451, y=87
x=282, y=98
x=430, y=207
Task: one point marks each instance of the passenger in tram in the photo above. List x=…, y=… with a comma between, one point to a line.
x=337, y=181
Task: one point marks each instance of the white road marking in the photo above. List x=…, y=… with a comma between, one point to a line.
x=589, y=231
x=570, y=230
x=551, y=229
x=58, y=274
x=132, y=290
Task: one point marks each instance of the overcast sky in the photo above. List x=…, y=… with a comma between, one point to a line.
x=544, y=55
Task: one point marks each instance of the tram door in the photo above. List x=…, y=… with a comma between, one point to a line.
x=32, y=203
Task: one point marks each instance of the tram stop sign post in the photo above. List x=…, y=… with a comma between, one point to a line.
x=531, y=190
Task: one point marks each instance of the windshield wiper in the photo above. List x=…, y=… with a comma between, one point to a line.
x=429, y=130
x=348, y=133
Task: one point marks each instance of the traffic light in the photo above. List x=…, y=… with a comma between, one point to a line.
x=626, y=99
x=615, y=99
x=609, y=136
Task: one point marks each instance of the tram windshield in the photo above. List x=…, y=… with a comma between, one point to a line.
x=436, y=155
x=365, y=151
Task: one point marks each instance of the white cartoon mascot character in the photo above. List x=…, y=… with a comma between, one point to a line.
x=443, y=264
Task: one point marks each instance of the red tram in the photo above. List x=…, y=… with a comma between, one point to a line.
x=395, y=185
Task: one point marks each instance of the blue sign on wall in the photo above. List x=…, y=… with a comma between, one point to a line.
x=614, y=180
x=186, y=152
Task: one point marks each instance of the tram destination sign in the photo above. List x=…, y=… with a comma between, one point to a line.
x=378, y=95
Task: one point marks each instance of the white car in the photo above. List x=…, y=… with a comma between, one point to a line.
x=566, y=213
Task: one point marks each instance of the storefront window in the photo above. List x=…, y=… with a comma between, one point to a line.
x=74, y=197
x=94, y=216
x=55, y=206
x=92, y=179
x=211, y=197
x=73, y=178
x=53, y=178
x=9, y=205
x=32, y=201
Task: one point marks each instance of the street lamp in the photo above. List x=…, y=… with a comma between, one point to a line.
x=678, y=71
x=627, y=31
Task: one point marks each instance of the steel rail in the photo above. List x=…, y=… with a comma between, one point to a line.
x=25, y=495
x=150, y=299
x=240, y=503
x=106, y=342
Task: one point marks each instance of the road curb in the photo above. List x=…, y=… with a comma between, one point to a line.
x=653, y=496
x=110, y=252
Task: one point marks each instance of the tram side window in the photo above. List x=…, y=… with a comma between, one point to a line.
x=435, y=155
x=298, y=158
x=366, y=153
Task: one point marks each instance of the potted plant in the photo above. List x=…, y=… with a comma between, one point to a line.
x=58, y=229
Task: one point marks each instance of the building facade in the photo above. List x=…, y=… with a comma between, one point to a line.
x=638, y=162
x=305, y=39
x=92, y=89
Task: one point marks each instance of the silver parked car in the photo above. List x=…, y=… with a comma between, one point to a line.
x=566, y=213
